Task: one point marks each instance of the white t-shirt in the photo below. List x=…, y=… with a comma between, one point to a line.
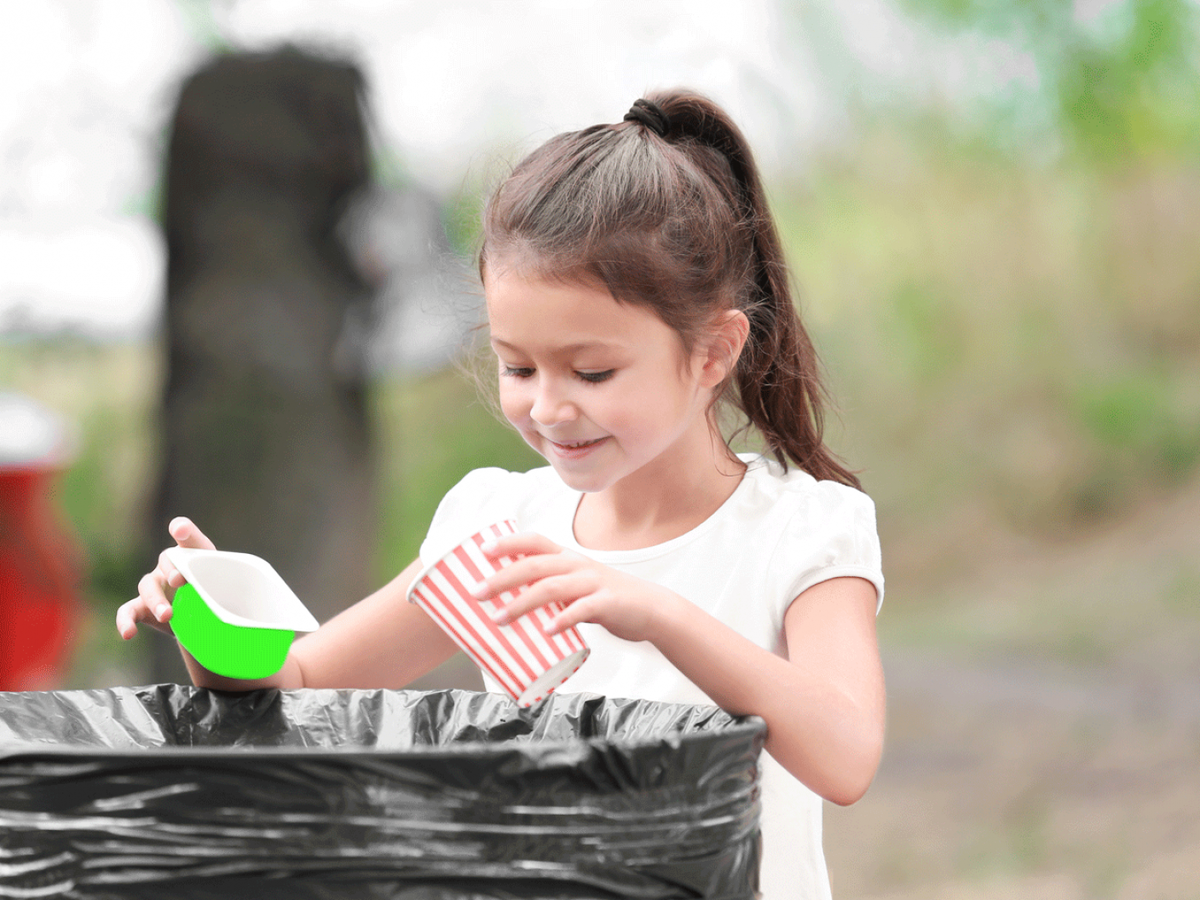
x=777, y=535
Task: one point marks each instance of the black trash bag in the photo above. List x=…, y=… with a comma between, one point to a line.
x=171, y=791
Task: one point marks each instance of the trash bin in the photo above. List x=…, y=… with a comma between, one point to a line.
x=39, y=558
x=182, y=792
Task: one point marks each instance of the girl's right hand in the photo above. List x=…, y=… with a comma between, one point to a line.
x=152, y=605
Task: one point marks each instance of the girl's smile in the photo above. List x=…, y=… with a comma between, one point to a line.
x=576, y=448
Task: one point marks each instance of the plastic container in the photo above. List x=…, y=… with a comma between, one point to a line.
x=181, y=792
x=235, y=615
x=521, y=656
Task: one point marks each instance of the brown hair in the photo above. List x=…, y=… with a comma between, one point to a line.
x=671, y=214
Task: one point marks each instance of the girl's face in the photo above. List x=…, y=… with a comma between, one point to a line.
x=601, y=389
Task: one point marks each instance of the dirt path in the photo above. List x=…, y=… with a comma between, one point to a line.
x=1128, y=699
x=1031, y=775
x=1018, y=784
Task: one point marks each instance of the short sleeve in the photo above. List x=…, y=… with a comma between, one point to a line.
x=831, y=534
x=476, y=501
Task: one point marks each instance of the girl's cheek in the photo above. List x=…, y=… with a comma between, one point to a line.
x=510, y=413
x=513, y=405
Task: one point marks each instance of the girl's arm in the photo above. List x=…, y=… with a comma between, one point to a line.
x=823, y=705
x=383, y=641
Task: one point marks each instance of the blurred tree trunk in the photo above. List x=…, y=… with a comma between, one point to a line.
x=266, y=438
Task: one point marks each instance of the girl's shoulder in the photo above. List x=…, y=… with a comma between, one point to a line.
x=484, y=496
x=818, y=529
x=492, y=481
x=796, y=493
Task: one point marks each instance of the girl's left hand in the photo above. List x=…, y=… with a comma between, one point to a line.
x=591, y=592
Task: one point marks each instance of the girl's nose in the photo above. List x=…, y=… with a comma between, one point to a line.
x=551, y=405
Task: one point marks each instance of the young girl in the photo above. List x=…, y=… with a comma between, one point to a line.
x=634, y=282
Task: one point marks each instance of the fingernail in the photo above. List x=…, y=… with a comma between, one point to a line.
x=488, y=546
x=161, y=611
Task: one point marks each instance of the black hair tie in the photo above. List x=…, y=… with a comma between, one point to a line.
x=649, y=114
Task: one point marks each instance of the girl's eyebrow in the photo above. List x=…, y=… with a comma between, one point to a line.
x=577, y=347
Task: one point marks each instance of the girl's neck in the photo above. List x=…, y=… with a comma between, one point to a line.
x=658, y=503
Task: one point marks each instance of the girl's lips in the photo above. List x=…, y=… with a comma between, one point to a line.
x=575, y=448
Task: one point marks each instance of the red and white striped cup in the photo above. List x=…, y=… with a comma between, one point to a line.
x=521, y=656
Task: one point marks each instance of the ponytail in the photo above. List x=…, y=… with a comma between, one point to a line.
x=777, y=383
x=667, y=209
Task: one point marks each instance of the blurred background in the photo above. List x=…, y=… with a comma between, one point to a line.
x=991, y=210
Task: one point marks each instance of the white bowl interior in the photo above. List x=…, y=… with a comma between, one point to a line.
x=240, y=586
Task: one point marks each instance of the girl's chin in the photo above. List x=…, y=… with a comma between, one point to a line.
x=581, y=477
x=574, y=482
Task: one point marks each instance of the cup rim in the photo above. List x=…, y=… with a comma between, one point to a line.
x=295, y=618
x=410, y=594
x=554, y=677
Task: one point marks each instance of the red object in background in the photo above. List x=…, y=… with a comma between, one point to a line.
x=39, y=571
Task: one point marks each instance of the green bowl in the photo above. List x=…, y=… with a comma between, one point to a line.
x=235, y=651
x=235, y=615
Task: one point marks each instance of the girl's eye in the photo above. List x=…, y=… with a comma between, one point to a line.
x=597, y=377
x=517, y=371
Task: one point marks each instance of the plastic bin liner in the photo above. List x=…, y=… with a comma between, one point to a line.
x=171, y=791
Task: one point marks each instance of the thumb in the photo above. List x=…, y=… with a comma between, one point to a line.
x=186, y=534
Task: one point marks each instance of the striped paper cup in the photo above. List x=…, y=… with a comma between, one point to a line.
x=521, y=656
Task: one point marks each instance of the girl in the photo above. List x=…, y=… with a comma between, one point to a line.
x=634, y=280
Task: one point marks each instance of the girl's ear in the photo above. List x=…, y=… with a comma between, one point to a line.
x=723, y=347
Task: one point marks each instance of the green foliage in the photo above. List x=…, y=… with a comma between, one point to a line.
x=1140, y=428
x=1012, y=343
x=923, y=330
x=1137, y=96
x=461, y=220
x=431, y=431
x=1123, y=85
x=1127, y=412
x=1028, y=17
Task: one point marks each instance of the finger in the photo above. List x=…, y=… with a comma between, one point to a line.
x=582, y=610
x=151, y=589
x=168, y=575
x=525, y=571
x=127, y=620
x=153, y=604
x=186, y=534
x=567, y=589
x=126, y=627
x=133, y=612
x=518, y=545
